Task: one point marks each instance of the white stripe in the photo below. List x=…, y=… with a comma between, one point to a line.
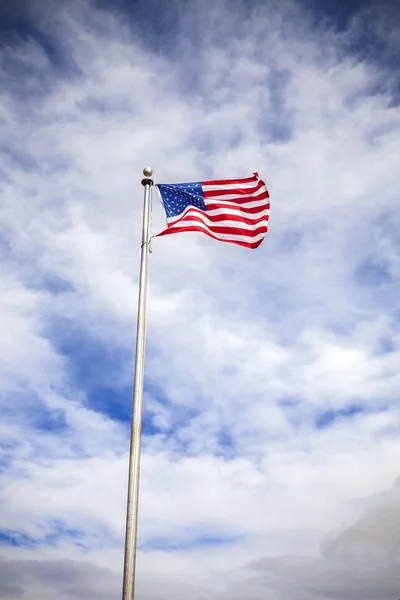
x=231, y=186
x=238, y=196
x=225, y=223
x=223, y=236
x=237, y=206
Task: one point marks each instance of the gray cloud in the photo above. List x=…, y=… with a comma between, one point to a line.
x=56, y=579
x=361, y=561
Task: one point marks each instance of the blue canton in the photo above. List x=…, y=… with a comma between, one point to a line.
x=178, y=196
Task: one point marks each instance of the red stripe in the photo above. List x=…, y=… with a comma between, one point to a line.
x=239, y=191
x=242, y=209
x=221, y=218
x=229, y=181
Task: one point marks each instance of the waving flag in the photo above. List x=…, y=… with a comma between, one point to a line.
x=230, y=210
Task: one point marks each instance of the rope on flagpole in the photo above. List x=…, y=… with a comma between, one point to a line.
x=151, y=236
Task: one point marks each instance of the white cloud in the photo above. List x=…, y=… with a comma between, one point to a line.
x=246, y=351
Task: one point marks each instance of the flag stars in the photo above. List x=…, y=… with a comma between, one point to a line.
x=177, y=198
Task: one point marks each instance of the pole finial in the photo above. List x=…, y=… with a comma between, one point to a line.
x=147, y=171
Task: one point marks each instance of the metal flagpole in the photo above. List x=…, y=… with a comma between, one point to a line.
x=128, y=592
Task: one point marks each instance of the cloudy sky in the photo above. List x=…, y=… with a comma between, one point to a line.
x=271, y=448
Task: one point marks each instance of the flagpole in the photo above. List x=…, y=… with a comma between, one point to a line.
x=128, y=591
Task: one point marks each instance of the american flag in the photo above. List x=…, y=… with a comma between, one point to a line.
x=229, y=210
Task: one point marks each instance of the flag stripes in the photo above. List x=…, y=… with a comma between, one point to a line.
x=235, y=210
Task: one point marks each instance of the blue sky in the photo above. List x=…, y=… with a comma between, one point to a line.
x=270, y=456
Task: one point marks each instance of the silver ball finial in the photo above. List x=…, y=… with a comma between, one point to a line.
x=147, y=171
